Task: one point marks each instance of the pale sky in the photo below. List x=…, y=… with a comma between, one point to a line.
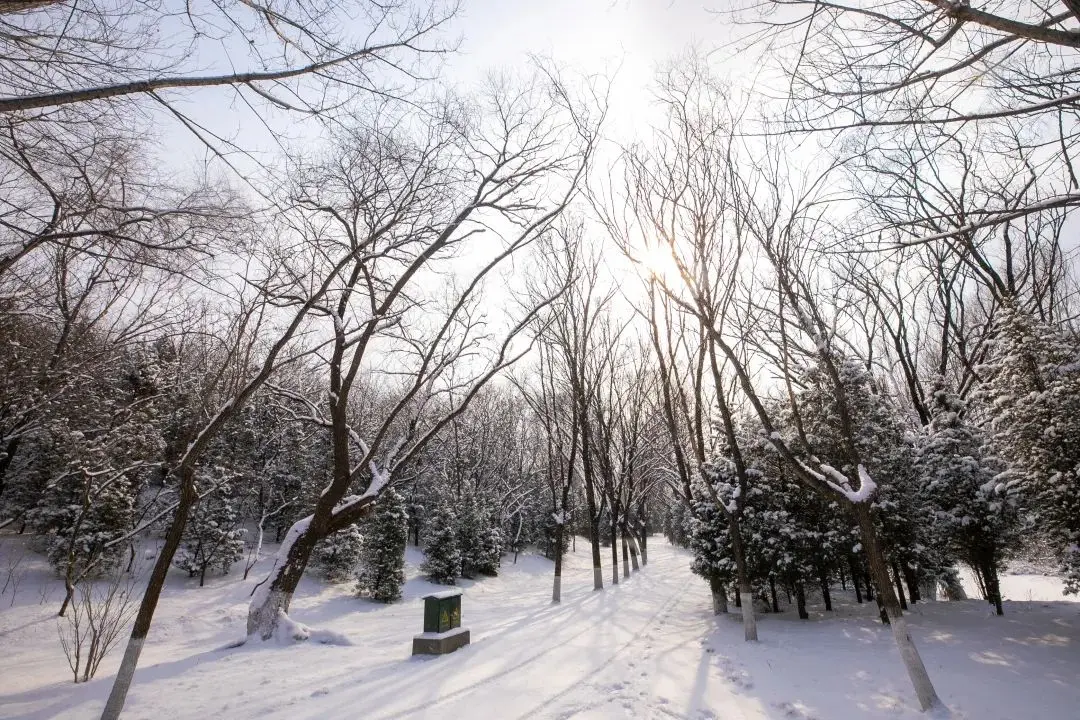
x=623, y=39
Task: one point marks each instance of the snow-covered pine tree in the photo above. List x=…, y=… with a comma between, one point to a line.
x=338, y=555
x=479, y=538
x=470, y=531
x=382, y=564
x=213, y=537
x=1032, y=404
x=882, y=442
x=95, y=456
x=707, y=536
x=676, y=522
x=443, y=557
x=972, y=521
x=491, y=547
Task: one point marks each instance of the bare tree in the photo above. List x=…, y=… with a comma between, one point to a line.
x=730, y=195
x=98, y=616
x=874, y=73
x=398, y=207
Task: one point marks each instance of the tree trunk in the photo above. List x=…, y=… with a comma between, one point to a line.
x=977, y=572
x=911, y=579
x=899, y=586
x=920, y=679
x=800, y=600
x=772, y=594
x=141, y=628
x=597, y=570
x=719, y=595
x=633, y=552
x=843, y=576
x=614, y=553
x=556, y=588
x=258, y=551
x=292, y=558
x=69, y=593
x=626, y=557
x=855, y=582
x=993, y=586
x=823, y=577
x=746, y=593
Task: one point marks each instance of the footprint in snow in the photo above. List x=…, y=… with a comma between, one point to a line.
x=795, y=711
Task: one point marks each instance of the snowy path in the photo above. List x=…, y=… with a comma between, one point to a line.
x=647, y=649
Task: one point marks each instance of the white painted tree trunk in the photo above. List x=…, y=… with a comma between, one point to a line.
x=719, y=604
x=556, y=590
x=748, y=620
x=916, y=670
x=598, y=578
x=115, y=702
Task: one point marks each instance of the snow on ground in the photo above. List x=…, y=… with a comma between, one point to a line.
x=649, y=648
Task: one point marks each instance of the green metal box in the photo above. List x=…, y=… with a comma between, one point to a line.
x=442, y=611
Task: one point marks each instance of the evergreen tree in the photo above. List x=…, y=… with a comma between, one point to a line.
x=479, y=539
x=443, y=558
x=1033, y=409
x=213, y=537
x=677, y=522
x=339, y=554
x=706, y=532
x=971, y=520
x=885, y=448
x=382, y=572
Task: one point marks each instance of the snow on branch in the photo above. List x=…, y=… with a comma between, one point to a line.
x=839, y=483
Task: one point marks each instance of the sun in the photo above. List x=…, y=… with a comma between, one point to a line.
x=657, y=261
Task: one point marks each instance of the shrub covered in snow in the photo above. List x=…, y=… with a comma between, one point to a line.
x=338, y=556
x=443, y=557
x=382, y=571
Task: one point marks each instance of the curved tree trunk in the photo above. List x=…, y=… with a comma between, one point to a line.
x=273, y=596
x=913, y=663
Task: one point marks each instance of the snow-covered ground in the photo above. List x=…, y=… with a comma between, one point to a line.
x=649, y=648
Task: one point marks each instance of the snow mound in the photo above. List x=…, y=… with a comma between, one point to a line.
x=290, y=632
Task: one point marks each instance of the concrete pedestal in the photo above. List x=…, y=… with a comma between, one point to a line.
x=440, y=643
